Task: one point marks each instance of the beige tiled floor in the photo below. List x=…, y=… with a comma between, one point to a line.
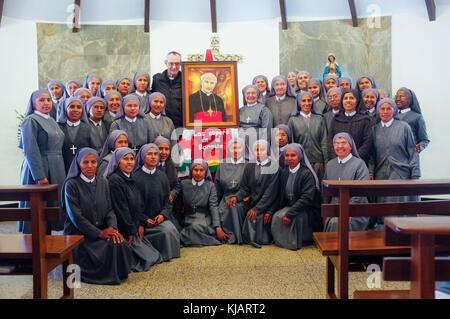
x=212, y=272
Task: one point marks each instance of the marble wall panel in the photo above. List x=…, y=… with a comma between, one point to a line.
x=360, y=50
x=110, y=51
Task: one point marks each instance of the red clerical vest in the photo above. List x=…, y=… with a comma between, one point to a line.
x=216, y=116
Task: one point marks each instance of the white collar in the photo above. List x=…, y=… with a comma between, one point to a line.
x=198, y=183
x=73, y=124
x=87, y=180
x=112, y=114
x=127, y=175
x=305, y=115
x=207, y=94
x=263, y=162
x=404, y=110
x=95, y=123
x=130, y=120
x=45, y=116
x=346, y=159
x=317, y=99
x=170, y=78
x=57, y=101
x=335, y=111
x=295, y=169
x=148, y=171
x=383, y=124
x=371, y=110
x=250, y=105
x=153, y=116
x=162, y=164
x=240, y=160
x=141, y=94
x=280, y=98
x=350, y=114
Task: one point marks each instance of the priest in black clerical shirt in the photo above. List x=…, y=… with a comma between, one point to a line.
x=204, y=105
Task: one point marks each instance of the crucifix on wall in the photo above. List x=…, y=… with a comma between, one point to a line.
x=215, y=49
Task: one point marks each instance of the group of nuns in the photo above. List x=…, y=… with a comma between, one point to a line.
x=107, y=146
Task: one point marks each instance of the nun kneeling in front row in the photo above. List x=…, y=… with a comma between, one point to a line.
x=346, y=166
x=129, y=207
x=104, y=256
x=155, y=190
x=201, y=222
x=299, y=201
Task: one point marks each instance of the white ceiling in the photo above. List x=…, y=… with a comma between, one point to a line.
x=96, y=11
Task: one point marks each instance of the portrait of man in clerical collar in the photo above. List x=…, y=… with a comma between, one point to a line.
x=202, y=99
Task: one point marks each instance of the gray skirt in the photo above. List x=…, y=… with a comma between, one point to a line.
x=165, y=238
x=255, y=232
x=232, y=220
x=197, y=231
x=294, y=235
x=143, y=255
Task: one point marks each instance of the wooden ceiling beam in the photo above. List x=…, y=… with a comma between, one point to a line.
x=283, y=15
x=147, y=16
x=212, y=4
x=76, y=16
x=431, y=8
x=351, y=3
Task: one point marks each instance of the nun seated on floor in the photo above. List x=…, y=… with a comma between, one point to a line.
x=346, y=166
x=298, y=204
x=227, y=181
x=258, y=191
x=104, y=257
x=201, y=222
x=129, y=207
x=155, y=190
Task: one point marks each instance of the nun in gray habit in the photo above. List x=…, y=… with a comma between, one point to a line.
x=142, y=96
x=255, y=115
x=129, y=207
x=258, y=191
x=87, y=83
x=77, y=135
x=160, y=124
x=154, y=187
x=413, y=116
x=297, y=207
x=108, y=149
x=41, y=140
x=394, y=154
x=310, y=130
x=138, y=129
x=281, y=106
x=109, y=116
x=99, y=128
x=262, y=96
x=57, y=103
x=201, y=216
x=227, y=180
x=104, y=256
x=276, y=144
x=352, y=167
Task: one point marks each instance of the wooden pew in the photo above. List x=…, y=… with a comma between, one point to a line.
x=40, y=252
x=339, y=246
x=423, y=269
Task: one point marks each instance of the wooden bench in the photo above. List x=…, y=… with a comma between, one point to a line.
x=38, y=253
x=339, y=246
x=423, y=269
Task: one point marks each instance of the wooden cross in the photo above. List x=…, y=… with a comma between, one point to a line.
x=215, y=49
x=73, y=148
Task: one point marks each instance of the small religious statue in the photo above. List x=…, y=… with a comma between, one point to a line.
x=332, y=68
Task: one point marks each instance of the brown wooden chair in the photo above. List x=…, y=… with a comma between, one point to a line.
x=342, y=245
x=38, y=253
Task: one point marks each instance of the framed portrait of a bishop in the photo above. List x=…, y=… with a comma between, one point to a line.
x=210, y=94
